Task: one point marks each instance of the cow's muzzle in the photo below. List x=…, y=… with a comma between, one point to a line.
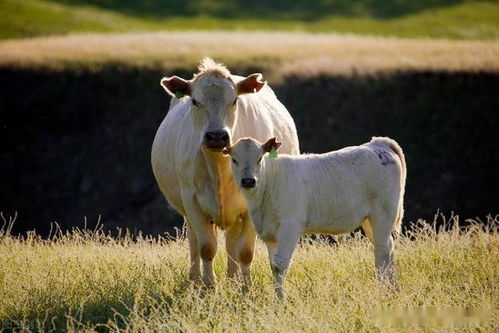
x=216, y=140
x=248, y=182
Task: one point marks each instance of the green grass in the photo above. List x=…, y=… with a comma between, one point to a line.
x=87, y=280
x=468, y=20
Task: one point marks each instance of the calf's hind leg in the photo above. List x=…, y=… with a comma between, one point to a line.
x=382, y=224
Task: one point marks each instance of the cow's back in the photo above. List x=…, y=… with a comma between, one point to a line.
x=262, y=116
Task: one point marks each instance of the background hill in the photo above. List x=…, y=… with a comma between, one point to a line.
x=403, y=18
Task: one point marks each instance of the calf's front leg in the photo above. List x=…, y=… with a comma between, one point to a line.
x=287, y=237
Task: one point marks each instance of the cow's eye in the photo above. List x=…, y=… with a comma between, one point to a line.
x=235, y=101
x=259, y=160
x=234, y=161
x=195, y=103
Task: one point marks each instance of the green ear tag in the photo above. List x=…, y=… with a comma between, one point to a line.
x=273, y=154
x=179, y=94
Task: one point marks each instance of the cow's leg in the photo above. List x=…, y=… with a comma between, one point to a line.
x=231, y=236
x=195, y=269
x=287, y=237
x=382, y=222
x=246, y=247
x=208, y=249
x=204, y=231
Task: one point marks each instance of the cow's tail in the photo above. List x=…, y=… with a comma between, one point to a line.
x=397, y=150
x=392, y=145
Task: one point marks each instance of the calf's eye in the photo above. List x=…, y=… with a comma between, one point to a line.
x=195, y=103
x=234, y=161
x=259, y=160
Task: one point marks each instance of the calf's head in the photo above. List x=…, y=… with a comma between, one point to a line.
x=213, y=98
x=247, y=155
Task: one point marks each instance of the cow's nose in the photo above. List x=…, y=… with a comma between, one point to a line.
x=248, y=182
x=217, y=139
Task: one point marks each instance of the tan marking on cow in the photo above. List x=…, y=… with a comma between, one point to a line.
x=208, y=251
x=246, y=256
x=268, y=238
x=230, y=201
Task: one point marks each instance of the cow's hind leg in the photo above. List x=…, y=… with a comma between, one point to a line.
x=382, y=222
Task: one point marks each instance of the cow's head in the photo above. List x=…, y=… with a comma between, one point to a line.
x=214, y=98
x=247, y=155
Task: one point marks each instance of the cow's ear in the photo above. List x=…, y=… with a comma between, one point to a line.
x=271, y=144
x=226, y=151
x=252, y=83
x=176, y=86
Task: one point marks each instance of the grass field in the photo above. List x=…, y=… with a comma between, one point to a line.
x=278, y=53
x=412, y=19
x=86, y=280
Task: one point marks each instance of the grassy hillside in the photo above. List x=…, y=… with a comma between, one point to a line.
x=436, y=19
x=278, y=53
x=85, y=280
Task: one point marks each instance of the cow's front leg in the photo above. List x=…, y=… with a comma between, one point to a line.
x=208, y=249
x=287, y=237
x=195, y=269
x=246, y=247
x=204, y=231
x=231, y=237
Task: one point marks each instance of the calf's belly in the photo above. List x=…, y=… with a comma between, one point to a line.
x=335, y=223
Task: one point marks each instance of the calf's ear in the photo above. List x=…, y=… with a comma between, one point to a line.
x=176, y=86
x=271, y=144
x=252, y=83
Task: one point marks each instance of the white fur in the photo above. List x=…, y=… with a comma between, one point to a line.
x=198, y=182
x=331, y=193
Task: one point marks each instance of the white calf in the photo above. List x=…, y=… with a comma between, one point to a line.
x=330, y=193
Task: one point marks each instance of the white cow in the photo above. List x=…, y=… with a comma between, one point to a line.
x=322, y=193
x=191, y=170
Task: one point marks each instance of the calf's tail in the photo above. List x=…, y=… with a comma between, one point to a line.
x=397, y=150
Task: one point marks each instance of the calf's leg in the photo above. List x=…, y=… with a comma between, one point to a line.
x=382, y=223
x=287, y=237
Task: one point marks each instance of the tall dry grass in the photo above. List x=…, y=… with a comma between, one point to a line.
x=87, y=280
x=294, y=52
